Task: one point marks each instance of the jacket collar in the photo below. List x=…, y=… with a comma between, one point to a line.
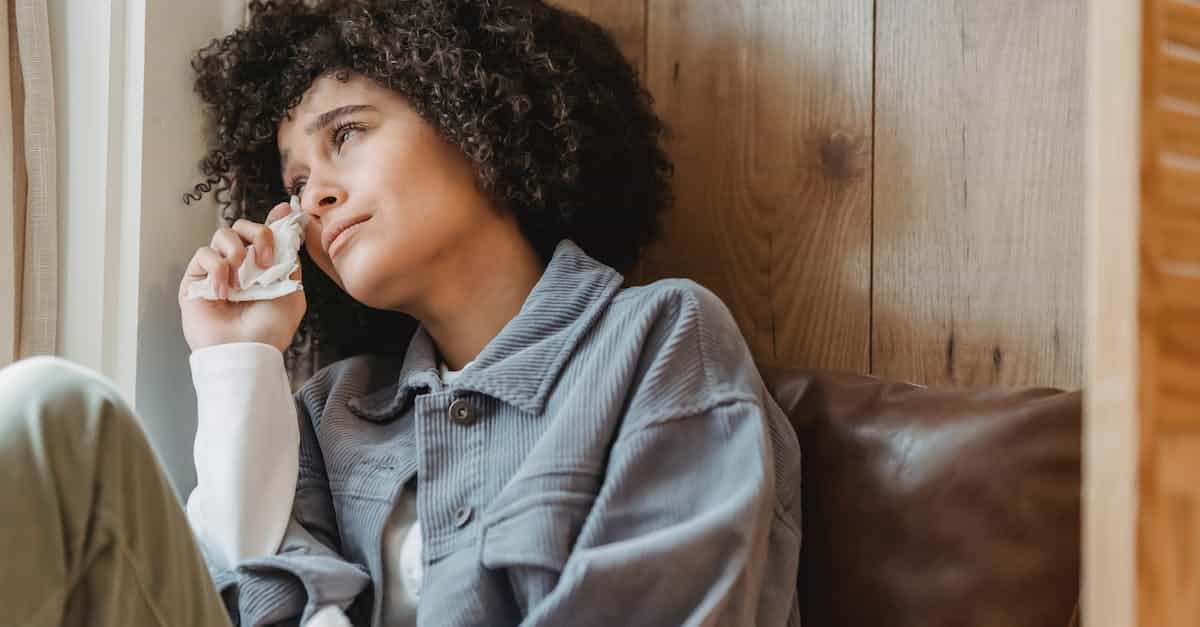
x=520, y=365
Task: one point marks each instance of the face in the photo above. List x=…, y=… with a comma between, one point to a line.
x=360, y=157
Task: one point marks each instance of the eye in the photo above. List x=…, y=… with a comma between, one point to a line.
x=339, y=135
x=297, y=187
x=342, y=132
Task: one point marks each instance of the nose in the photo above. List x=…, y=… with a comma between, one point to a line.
x=320, y=197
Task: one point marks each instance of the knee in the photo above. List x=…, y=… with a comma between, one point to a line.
x=51, y=376
x=45, y=367
x=52, y=388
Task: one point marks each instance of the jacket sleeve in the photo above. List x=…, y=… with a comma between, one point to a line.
x=679, y=530
x=261, y=510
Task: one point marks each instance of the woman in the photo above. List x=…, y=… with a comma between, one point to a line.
x=547, y=447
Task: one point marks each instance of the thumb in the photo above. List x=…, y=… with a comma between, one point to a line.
x=278, y=212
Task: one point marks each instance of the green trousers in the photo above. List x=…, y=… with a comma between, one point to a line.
x=91, y=533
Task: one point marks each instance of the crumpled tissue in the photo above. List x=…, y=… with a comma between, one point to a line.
x=258, y=283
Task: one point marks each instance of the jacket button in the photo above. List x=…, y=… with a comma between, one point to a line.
x=462, y=516
x=461, y=412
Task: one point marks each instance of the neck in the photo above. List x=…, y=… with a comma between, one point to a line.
x=483, y=288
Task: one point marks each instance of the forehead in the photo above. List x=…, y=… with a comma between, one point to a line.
x=326, y=93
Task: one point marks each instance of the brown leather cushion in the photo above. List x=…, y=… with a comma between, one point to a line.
x=930, y=508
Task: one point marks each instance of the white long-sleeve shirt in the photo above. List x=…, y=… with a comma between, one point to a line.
x=247, y=461
x=247, y=450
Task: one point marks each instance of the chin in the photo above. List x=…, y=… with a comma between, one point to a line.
x=369, y=292
x=371, y=282
x=368, y=297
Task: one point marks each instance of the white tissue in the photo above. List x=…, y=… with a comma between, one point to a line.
x=259, y=283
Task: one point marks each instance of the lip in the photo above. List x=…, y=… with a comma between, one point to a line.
x=335, y=230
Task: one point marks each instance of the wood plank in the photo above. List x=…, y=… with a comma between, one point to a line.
x=979, y=191
x=770, y=103
x=1174, y=239
x=1180, y=75
x=1110, y=459
x=1172, y=549
x=1177, y=341
x=1182, y=288
x=1183, y=23
x=1178, y=190
x=1180, y=132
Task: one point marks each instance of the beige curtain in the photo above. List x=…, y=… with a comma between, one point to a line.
x=28, y=202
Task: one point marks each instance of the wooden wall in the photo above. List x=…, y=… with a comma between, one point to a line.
x=885, y=186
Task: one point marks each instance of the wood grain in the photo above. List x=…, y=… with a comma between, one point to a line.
x=978, y=178
x=770, y=107
x=979, y=192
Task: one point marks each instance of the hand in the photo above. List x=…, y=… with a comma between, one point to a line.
x=212, y=322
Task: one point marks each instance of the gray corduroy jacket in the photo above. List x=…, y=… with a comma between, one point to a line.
x=612, y=457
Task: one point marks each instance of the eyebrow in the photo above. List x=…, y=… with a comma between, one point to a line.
x=323, y=120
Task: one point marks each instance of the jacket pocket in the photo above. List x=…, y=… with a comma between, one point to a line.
x=538, y=530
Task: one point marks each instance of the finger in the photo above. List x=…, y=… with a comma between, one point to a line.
x=278, y=212
x=229, y=243
x=261, y=237
x=209, y=263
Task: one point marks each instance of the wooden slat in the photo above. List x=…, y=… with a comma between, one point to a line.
x=1180, y=77
x=1177, y=188
x=979, y=191
x=1176, y=550
x=1176, y=412
x=1174, y=240
x=1175, y=389
x=770, y=103
x=1171, y=318
x=1183, y=23
x=1180, y=132
x=1161, y=289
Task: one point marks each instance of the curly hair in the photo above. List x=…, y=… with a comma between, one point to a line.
x=541, y=102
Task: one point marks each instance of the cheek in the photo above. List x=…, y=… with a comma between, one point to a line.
x=312, y=242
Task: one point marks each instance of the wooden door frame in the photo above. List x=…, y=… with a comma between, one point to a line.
x=1110, y=492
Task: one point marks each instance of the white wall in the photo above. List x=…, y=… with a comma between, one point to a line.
x=130, y=133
